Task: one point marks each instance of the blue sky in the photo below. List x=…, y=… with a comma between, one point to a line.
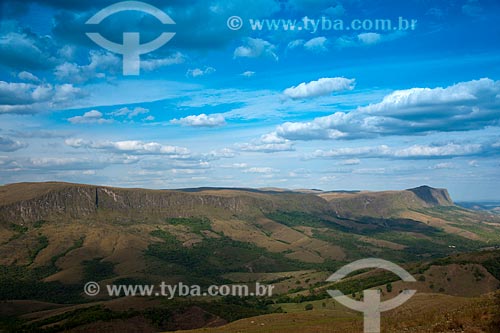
x=348, y=108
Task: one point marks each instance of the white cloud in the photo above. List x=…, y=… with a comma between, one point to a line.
x=248, y=74
x=90, y=117
x=131, y=147
x=267, y=147
x=266, y=170
x=237, y=166
x=197, y=72
x=268, y=143
x=335, y=11
x=450, y=149
x=27, y=76
x=31, y=98
x=370, y=38
x=461, y=107
x=412, y=152
x=370, y=171
x=219, y=154
x=23, y=49
x=318, y=129
x=67, y=52
x=153, y=64
x=74, y=163
x=9, y=145
x=444, y=165
x=367, y=39
x=352, y=161
x=24, y=93
x=65, y=94
x=327, y=179
x=101, y=64
x=321, y=87
x=130, y=113
x=473, y=164
x=317, y=44
x=295, y=43
x=51, y=162
x=201, y=120
x=254, y=48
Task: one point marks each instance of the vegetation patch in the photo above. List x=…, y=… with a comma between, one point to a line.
x=212, y=258
x=19, y=231
x=97, y=270
x=77, y=244
x=20, y=282
x=42, y=243
x=195, y=224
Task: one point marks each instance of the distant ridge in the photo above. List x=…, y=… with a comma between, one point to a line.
x=29, y=202
x=433, y=196
x=387, y=203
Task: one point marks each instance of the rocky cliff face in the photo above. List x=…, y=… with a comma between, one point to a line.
x=389, y=203
x=71, y=201
x=433, y=196
x=30, y=202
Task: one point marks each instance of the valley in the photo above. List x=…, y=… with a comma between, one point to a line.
x=54, y=237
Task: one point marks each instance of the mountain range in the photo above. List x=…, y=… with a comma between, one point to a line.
x=56, y=236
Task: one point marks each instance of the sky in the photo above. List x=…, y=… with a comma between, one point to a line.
x=332, y=95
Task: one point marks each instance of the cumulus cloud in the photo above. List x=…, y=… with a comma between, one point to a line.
x=153, y=64
x=444, y=165
x=473, y=163
x=51, y=163
x=130, y=113
x=352, y=161
x=460, y=107
x=268, y=143
x=32, y=98
x=197, y=72
x=27, y=76
x=9, y=145
x=295, y=44
x=335, y=11
x=235, y=166
x=266, y=170
x=25, y=50
x=220, y=153
x=133, y=147
x=248, y=74
x=317, y=44
x=367, y=39
x=255, y=48
x=201, y=120
x=100, y=65
x=105, y=64
x=24, y=93
x=321, y=87
x=90, y=117
x=413, y=152
x=370, y=38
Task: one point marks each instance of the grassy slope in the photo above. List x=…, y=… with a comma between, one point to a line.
x=423, y=313
x=235, y=232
